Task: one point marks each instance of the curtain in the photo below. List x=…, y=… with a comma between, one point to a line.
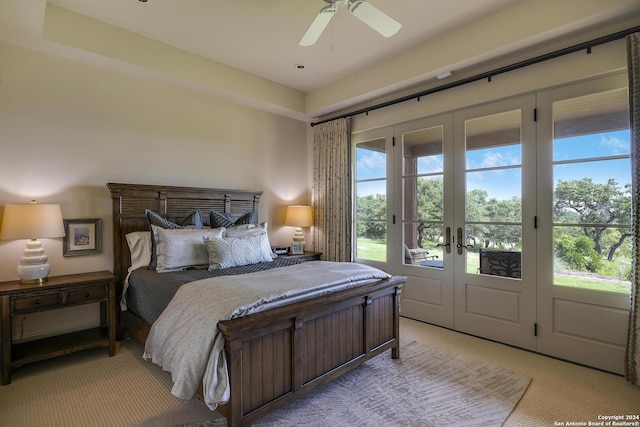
x=632, y=359
x=331, y=193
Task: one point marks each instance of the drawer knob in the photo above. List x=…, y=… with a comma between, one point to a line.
x=86, y=294
x=38, y=301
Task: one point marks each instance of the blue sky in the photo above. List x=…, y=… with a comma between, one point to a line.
x=506, y=183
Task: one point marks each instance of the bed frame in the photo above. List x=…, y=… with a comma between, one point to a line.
x=278, y=354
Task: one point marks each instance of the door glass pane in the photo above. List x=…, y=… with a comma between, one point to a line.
x=592, y=192
x=371, y=200
x=422, y=167
x=494, y=195
x=493, y=208
x=495, y=249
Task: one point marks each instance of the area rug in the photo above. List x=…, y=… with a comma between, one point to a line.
x=425, y=387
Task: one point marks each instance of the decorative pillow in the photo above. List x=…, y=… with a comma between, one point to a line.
x=245, y=230
x=140, y=247
x=219, y=219
x=193, y=220
x=231, y=252
x=179, y=249
x=250, y=230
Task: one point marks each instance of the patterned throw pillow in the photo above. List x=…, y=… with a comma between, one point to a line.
x=232, y=252
x=193, y=220
x=250, y=230
x=219, y=219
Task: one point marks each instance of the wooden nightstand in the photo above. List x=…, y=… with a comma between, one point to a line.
x=57, y=292
x=306, y=256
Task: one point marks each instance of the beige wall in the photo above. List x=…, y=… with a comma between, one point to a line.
x=67, y=129
x=604, y=59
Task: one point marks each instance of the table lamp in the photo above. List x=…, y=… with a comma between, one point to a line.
x=298, y=216
x=32, y=221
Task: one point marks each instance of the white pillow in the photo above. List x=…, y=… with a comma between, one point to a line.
x=232, y=252
x=179, y=249
x=250, y=230
x=245, y=230
x=140, y=247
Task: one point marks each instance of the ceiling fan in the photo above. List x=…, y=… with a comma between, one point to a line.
x=364, y=11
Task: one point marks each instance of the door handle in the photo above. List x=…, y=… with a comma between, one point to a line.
x=447, y=239
x=460, y=246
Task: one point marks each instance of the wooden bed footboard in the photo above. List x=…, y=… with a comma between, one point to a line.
x=279, y=354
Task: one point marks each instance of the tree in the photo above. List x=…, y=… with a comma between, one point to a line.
x=372, y=215
x=482, y=209
x=585, y=202
x=429, y=206
x=577, y=252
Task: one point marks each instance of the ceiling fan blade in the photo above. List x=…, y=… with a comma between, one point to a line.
x=317, y=26
x=374, y=17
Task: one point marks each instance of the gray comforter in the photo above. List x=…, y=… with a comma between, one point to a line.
x=186, y=342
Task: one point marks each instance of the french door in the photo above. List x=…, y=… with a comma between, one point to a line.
x=425, y=192
x=467, y=227
x=584, y=242
x=511, y=220
x=494, y=221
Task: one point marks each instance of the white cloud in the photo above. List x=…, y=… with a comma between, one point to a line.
x=617, y=145
x=430, y=164
x=372, y=161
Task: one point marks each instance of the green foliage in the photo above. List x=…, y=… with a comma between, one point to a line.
x=603, y=249
x=583, y=201
x=578, y=253
x=371, y=214
x=482, y=209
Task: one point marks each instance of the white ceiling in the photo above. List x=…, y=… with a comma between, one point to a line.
x=350, y=63
x=261, y=36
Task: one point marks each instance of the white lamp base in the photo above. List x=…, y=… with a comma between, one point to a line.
x=33, y=267
x=298, y=237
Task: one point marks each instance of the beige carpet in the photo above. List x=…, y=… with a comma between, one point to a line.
x=91, y=389
x=426, y=387
x=87, y=388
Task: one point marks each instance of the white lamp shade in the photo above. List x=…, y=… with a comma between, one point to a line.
x=298, y=216
x=31, y=221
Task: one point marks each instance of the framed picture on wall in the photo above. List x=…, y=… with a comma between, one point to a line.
x=297, y=249
x=83, y=237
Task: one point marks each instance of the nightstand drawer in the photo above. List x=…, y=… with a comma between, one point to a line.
x=28, y=304
x=83, y=296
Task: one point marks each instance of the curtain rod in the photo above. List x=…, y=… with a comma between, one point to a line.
x=489, y=74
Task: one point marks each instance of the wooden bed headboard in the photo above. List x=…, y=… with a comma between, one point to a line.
x=174, y=203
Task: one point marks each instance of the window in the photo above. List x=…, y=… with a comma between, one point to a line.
x=423, y=191
x=371, y=200
x=592, y=192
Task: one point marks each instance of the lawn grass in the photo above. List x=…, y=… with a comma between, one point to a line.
x=592, y=283
x=371, y=249
x=376, y=250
